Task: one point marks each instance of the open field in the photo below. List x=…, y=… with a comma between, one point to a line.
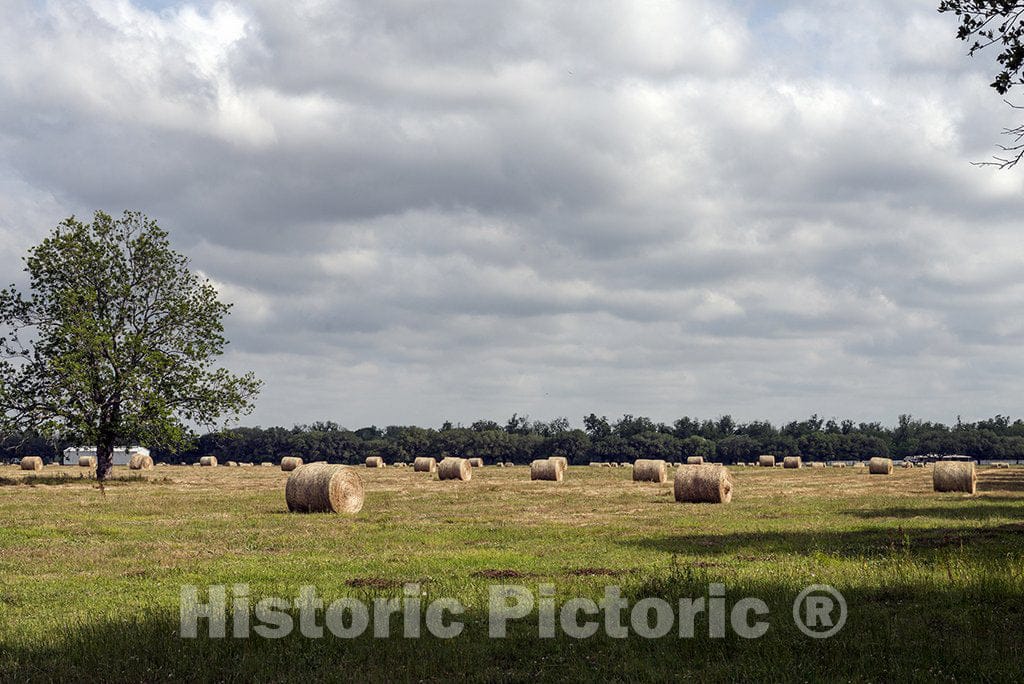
x=934, y=582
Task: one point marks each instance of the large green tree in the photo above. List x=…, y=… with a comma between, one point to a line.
x=115, y=341
x=1000, y=23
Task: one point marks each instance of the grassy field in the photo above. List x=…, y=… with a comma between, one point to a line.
x=933, y=582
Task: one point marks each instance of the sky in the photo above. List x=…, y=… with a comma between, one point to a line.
x=465, y=209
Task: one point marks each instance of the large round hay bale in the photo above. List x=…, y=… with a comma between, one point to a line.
x=562, y=462
x=140, y=462
x=208, y=461
x=906, y=464
x=86, y=461
x=955, y=476
x=455, y=469
x=324, y=488
x=649, y=470
x=31, y=463
x=792, y=462
x=880, y=466
x=476, y=462
x=374, y=462
x=766, y=461
x=705, y=483
x=425, y=464
x=546, y=469
x=290, y=463
x=694, y=460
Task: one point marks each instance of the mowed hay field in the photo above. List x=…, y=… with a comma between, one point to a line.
x=934, y=582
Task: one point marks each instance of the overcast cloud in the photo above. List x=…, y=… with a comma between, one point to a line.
x=465, y=209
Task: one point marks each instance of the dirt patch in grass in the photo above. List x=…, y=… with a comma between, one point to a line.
x=594, y=572
x=501, y=574
x=373, y=583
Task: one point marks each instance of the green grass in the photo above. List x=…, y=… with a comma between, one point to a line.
x=933, y=582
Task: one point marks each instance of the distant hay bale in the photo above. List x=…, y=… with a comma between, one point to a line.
x=766, y=461
x=792, y=462
x=594, y=464
x=245, y=465
x=880, y=466
x=1001, y=465
x=208, y=461
x=232, y=464
x=140, y=462
x=290, y=463
x=86, y=461
x=425, y=464
x=324, y=488
x=374, y=462
x=546, y=469
x=31, y=463
x=955, y=476
x=694, y=460
x=705, y=483
x=817, y=464
x=906, y=464
x=649, y=470
x=476, y=462
x=266, y=464
x=455, y=469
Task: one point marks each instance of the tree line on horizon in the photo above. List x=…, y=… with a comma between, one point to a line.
x=520, y=440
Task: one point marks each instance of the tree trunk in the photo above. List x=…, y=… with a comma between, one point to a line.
x=104, y=457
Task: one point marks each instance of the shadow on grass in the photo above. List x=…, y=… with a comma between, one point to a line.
x=897, y=633
x=977, y=509
x=985, y=542
x=1000, y=481
x=66, y=479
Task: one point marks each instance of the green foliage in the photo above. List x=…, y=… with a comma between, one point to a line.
x=115, y=341
x=996, y=22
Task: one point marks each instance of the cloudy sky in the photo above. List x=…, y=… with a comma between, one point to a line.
x=461, y=209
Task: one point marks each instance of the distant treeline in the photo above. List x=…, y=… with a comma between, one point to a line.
x=521, y=440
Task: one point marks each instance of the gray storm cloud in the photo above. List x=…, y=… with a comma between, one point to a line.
x=464, y=209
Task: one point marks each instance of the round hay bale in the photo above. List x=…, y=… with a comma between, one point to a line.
x=705, y=483
x=1001, y=465
x=290, y=463
x=906, y=464
x=425, y=464
x=232, y=464
x=766, y=461
x=324, y=488
x=140, y=462
x=266, y=464
x=31, y=463
x=817, y=464
x=546, y=469
x=208, y=461
x=476, y=462
x=955, y=476
x=562, y=462
x=455, y=469
x=792, y=462
x=880, y=466
x=86, y=461
x=694, y=460
x=649, y=470
x=374, y=462
x=245, y=465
